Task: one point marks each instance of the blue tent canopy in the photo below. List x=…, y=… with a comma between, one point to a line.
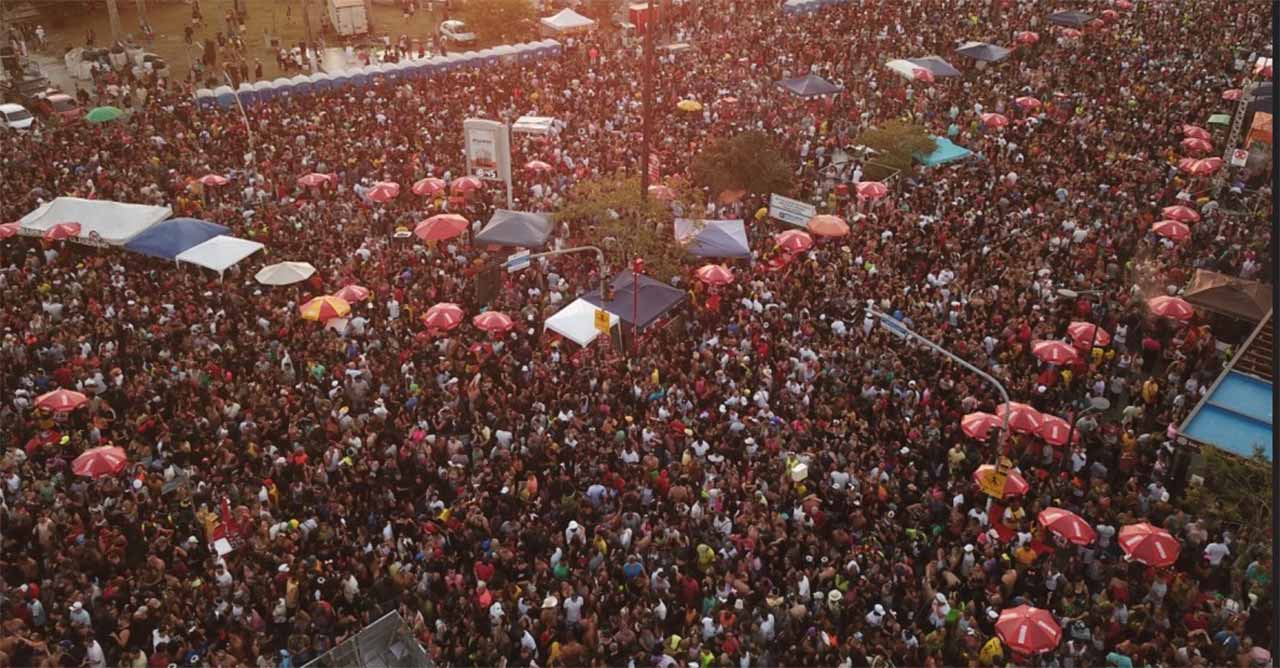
x=984, y=52
x=653, y=299
x=171, y=237
x=717, y=238
x=809, y=85
x=1070, y=18
x=516, y=228
x=945, y=152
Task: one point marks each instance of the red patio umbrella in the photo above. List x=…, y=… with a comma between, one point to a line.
x=1171, y=307
x=1083, y=334
x=979, y=425
x=9, y=230
x=1148, y=544
x=1232, y=94
x=1124, y=4
x=1180, y=213
x=1197, y=145
x=315, y=180
x=1195, y=131
x=1054, y=430
x=1022, y=418
x=493, y=322
x=465, y=184
x=384, y=191
x=429, y=187
x=871, y=190
x=62, y=231
x=1068, y=525
x=662, y=192
x=1054, y=352
x=97, y=462
x=922, y=74
x=352, y=293
x=1028, y=630
x=1200, y=166
x=993, y=120
x=1110, y=14
x=714, y=274
x=1026, y=37
x=1071, y=33
x=213, y=180
x=537, y=166
x=794, y=241
x=441, y=226
x=1172, y=229
x=825, y=225
x=61, y=401
x=1014, y=484
x=1027, y=103
x=443, y=316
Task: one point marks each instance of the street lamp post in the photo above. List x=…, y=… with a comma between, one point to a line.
x=637, y=268
x=647, y=101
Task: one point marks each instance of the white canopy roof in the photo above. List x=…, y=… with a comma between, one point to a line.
x=577, y=322
x=284, y=273
x=566, y=20
x=101, y=222
x=219, y=253
x=538, y=125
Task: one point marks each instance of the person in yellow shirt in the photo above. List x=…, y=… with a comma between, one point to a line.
x=990, y=652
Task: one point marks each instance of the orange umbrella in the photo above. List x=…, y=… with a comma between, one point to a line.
x=384, y=191
x=993, y=120
x=428, y=187
x=1028, y=630
x=1054, y=430
x=324, y=309
x=714, y=274
x=979, y=425
x=1083, y=334
x=62, y=231
x=97, y=462
x=1171, y=307
x=1054, y=352
x=493, y=322
x=1180, y=213
x=828, y=226
x=794, y=241
x=9, y=230
x=352, y=294
x=61, y=401
x=1068, y=525
x=441, y=226
x=1148, y=544
x=1172, y=229
x=465, y=185
x=1022, y=418
x=443, y=316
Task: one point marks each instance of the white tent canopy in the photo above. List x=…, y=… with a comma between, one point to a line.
x=567, y=20
x=577, y=322
x=219, y=253
x=101, y=222
x=537, y=125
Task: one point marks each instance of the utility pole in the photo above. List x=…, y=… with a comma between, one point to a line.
x=113, y=12
x=647, y=101
x=306, y=22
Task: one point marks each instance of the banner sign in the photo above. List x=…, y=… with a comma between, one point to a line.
x=791, y=211
x=488, y=147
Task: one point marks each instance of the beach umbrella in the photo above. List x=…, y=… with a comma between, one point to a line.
x=1083, y=334
x=324, y=309
x=1124, y=4
x=1110, y=15
x=1200, y=166
x=9, y=230
x=1026, y=37
x=1232, y=94
x=922, y=74
x=871, y=190
x=465, y=184
x=493, y=322
x=352, y=293
x=443, y=316
x=1014, y=483
x=1195, y=131
x=384, y=191
x=441, y=226
x=794, y=241
x=662, y=192
x=1027, y=103
x=1149, y=544
x=97, y=462
x=428, y=187
x=1171, y=307
x=284, y=273
x=1028, y=630
x=1172, y=229
x=1054, y=352
x=62, y=231
x=1054, y=430
x=824, y=225
x=61, y=401
x=315, y=180
x=213, y=180
x=1071, y=33
x=714, y=274
x=1022, y=418
x=1196, y=145
x=1180, y=213
x=1068, y=525
x=993, y=120
x=979, y=425
x=691, y=106
x=537, y=166
x=103, y=114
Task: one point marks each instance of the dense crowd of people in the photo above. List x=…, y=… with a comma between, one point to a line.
x=773, y=480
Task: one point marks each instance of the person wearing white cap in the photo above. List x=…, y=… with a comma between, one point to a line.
x=79, y=616
x=876, y=617
x=575, y=532
x=939, y=610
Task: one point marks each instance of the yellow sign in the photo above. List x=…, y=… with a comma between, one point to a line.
x=993, y=482
x=602, y=320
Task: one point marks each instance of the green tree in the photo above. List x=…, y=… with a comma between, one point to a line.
x=896, y=141
x=1236, y=489
x=614, y=217
x=499, y=21
x=748, y=161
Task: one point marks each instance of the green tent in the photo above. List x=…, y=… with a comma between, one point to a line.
x=1219, y=119
x=103, y=114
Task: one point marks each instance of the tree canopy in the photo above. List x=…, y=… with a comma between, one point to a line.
x=500, y=21
x=748, y=161
x=896, y=141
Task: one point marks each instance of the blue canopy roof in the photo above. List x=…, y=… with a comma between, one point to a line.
x=810, y=85
x=654, y=299
x=716, y=238
x=944, y=153
x=171, y=237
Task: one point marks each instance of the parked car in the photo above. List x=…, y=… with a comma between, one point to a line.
x=57, y=105
x=152, y=63
x=456, y=32
x=16, y=116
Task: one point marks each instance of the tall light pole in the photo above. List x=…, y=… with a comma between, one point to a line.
x=113, y=13
x=647, y=100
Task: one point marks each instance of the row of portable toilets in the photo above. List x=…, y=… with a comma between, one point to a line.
x=261, y=91
x=807, y=6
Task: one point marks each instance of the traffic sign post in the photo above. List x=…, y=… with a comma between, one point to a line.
x=602, y=321
x=517, y=261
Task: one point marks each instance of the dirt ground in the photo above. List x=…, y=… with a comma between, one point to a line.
x=281, y=18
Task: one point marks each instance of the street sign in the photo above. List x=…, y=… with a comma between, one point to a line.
x=602, y=321
x=1239, y=157
x=790, y=210
x=993, y=483
x=517, y=261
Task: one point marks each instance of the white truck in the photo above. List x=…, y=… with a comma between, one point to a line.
x=348, y=17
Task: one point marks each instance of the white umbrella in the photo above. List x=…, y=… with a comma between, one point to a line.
x=285, y=273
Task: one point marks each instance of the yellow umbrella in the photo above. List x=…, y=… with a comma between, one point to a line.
x=689, y=105
x=326, y=308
